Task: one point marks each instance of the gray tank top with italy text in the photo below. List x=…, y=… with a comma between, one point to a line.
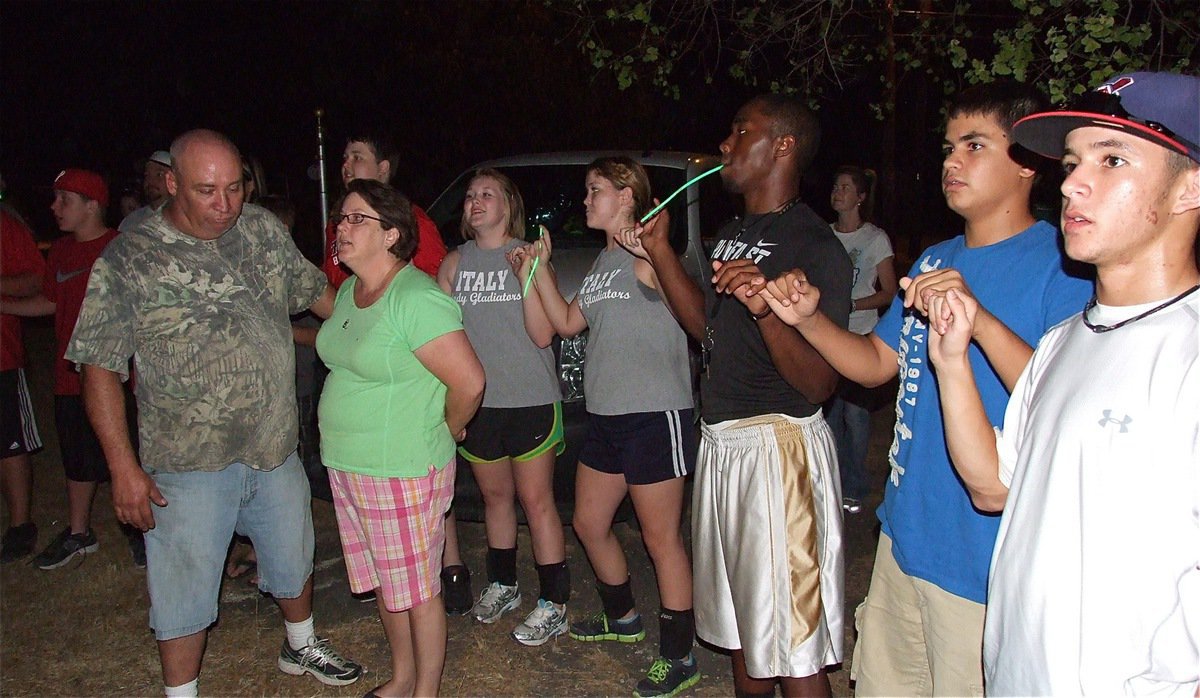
x=636, y=358
x=518, y=373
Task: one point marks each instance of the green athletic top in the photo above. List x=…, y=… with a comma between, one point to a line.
x=382, y=413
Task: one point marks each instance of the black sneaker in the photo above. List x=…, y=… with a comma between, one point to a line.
x=64, y=547
x=319, y=659
x=456, y=590
x=363, y=596
x=668, y=677
x=599, y=627
x=18, y=541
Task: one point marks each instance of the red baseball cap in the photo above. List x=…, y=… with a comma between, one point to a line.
x=83, y=182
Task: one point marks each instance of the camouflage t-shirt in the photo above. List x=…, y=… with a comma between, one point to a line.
x=206, y=323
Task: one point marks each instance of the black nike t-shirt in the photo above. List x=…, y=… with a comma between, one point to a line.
x=741, y=380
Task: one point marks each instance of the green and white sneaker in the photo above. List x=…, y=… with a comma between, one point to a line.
x=668, y=677
x=598, y=627
x=496, y=600
x=543, y=624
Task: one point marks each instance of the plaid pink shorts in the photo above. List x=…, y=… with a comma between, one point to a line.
x=393, y=531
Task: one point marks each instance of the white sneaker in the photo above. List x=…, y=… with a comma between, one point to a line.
x=543, y=624
x=496, y=600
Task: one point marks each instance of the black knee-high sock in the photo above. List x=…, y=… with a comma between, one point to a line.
x=616, y=599
x=555, y=582
x=676, y=630
x=502, y=566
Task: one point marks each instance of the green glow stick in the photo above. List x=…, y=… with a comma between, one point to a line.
x=534, y=266
x=686, y=184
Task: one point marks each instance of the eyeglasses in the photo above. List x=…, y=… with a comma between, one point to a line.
x=352, y=218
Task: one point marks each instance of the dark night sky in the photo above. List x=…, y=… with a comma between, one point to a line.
x=102, y=84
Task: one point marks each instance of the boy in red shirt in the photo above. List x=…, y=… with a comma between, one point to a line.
x=371, y=157
x=21, y=269
x=80, y=199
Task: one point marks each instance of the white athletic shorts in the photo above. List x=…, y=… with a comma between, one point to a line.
x=767, y=543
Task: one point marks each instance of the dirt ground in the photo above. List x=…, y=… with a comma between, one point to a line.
x=82, y=629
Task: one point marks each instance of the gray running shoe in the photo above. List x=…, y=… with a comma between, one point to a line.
x=543, y=624
x=496, y=600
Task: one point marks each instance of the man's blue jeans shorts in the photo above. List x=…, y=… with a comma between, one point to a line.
x=186, y=549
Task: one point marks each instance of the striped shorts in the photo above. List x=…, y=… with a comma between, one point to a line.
x=644, y=447
x=18, y=428
x=767, y=543
x=393, y=531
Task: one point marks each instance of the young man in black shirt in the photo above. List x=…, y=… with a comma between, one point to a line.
x=767, y=520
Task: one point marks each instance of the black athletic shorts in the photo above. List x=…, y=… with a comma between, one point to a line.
x=645, y=447
x=18, y=428
x=82, y=457
x=519, y=433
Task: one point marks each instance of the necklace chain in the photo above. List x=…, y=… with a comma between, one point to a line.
x=774, y=215
x=1098, y=329
x=777, y=211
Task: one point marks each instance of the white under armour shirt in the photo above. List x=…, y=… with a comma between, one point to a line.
x=1094, y=585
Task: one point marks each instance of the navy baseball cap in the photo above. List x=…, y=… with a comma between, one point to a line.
x=1163, y=108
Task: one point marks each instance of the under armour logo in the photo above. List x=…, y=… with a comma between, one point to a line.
x=1124, y=422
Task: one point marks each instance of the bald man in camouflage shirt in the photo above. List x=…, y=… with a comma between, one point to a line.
x=199, y=297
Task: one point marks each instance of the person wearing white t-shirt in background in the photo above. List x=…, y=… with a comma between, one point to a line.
x=1095, y=578
x=849, y=414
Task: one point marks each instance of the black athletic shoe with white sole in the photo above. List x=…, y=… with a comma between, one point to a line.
x=65, y=547
x=319, y=659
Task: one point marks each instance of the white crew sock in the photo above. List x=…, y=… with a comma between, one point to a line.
x=187, y=690
x=299, y=634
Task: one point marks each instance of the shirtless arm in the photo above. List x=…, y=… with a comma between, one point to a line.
x=451, y=358
x=537, y=324
x=29, y=306
x=323, y=306
x=566, y=318
x=20, y=285
x=864, y=359
x=683, y=297
x=886, y=273
x=969, y=435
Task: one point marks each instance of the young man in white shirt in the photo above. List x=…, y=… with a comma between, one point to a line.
x=1095, y=578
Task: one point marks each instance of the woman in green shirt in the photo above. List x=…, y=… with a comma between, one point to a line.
x=403, y=384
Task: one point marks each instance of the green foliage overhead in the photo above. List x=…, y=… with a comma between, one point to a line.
x=818, y=45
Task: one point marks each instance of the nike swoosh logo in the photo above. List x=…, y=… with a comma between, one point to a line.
x=64, y=277
x=763, y=243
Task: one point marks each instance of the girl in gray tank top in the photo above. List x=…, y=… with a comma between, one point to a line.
x=514, y=438
x=636, y=369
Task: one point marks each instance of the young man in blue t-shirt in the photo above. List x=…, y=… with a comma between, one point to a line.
x=921, y=626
